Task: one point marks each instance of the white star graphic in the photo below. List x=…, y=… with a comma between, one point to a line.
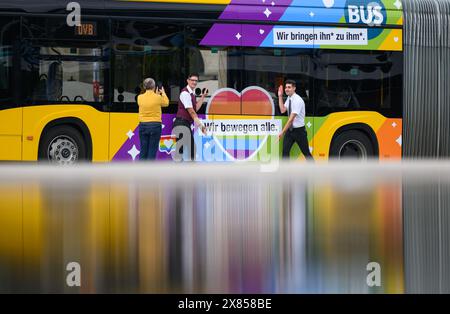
x=398, y=4
x=238, y=36
x=273, y=3
x=399, y=140
x=308, y=124
x=311, y=14
x=264, y=1
x=394, y=124
x=162, y=126
x=130, y=134
x=133, y=152
x=310, y=149
x=267, y=12
x=207, y=145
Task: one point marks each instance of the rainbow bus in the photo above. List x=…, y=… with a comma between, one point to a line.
x=68, y=92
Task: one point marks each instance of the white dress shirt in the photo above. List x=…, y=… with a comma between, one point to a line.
x=298, y=107
x=185, y=98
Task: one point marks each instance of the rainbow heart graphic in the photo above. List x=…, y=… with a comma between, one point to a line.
x=238, y=124
x=167, y=144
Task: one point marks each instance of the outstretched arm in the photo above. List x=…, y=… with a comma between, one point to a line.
x=197, y=121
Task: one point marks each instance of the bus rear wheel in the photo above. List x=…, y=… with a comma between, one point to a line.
x=62, y=145
x=352, y=144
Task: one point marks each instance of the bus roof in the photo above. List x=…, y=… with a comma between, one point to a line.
x=329, y=5
x=360, y=13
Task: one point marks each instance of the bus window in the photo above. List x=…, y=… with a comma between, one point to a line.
x=358, y=81
x=10, y=111
x=5, y=73
x=217, y=67
x=8, y=29
x=269, y=68
x=64, y=74
x=142, y=50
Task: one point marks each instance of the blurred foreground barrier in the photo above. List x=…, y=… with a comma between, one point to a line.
x=344, y=228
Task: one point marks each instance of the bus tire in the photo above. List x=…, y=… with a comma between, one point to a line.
x=352, y=144
x=63, y=145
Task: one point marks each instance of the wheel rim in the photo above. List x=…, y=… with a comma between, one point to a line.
x=353, y=149
x=63, y=150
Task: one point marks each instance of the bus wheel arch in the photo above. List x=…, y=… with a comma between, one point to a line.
x=358, y=137
x=66, y=130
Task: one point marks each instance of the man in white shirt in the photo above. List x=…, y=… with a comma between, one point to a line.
x=294, y=131
x=187, y=115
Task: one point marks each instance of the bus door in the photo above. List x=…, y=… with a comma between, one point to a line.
x=142, y=49
x=67, y=79
x=64, y=80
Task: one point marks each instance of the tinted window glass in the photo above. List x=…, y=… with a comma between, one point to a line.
x=144, y=50
x=218, y=68
x=358, y=81
x=58, y=74
x=8, y=29
x=269, y=68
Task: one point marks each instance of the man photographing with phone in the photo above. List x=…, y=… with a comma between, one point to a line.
x=150, y=126
x=187, y=115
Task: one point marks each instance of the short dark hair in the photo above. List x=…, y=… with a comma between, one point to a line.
x=291, y=82
x=193, y=74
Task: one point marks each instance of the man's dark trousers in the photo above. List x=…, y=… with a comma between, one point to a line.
x=299, y=136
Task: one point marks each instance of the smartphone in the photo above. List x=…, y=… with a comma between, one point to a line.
x=159, y=85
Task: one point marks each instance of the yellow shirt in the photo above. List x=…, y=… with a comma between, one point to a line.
x=150, y=105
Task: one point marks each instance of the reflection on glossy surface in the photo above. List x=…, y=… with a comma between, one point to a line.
x=225, y=229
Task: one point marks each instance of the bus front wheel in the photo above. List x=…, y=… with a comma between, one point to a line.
x=352, y=144
x=62, y=145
